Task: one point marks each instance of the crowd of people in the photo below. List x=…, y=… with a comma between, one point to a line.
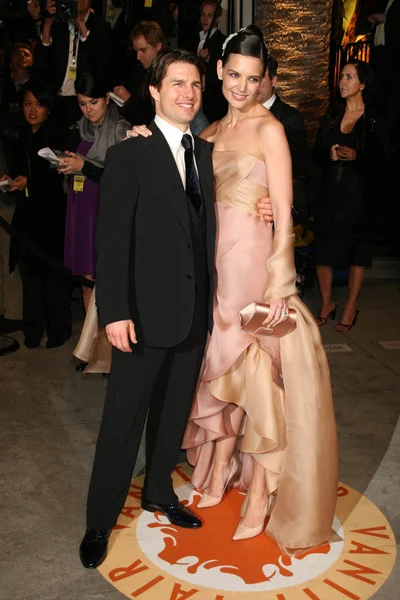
x=75, y=65
x=65, y=57
x=138, y=218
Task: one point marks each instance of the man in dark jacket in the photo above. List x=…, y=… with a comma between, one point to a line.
x=296, y=134
x=68, y=48
x=209, y=47
x=155, y=243
x=147, y=39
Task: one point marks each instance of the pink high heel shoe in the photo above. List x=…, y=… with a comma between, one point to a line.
x=244, y=533
x=208, y=501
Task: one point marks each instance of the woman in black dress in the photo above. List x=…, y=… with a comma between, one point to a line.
x=40, y=218
x=345, y=150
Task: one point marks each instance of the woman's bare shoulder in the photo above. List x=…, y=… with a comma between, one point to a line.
x=269, y=127
x=209, y=132
x=269, y=121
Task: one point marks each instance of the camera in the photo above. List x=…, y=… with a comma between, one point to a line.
x=65, y=9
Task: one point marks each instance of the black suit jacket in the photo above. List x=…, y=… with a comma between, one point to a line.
x=145, y=259
x=296, y=134
x=93, y=54
x=214, y=45
x=139, y=109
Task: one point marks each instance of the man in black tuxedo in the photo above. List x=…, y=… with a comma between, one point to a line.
x=296, y=134
x=68, y=48
x=154, y=285
x=215, y=105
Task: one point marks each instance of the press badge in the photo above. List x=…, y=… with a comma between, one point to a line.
x=79, y=182
x=72, y=72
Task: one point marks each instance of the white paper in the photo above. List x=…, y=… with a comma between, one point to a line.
x=49, y=155
x=118, y=101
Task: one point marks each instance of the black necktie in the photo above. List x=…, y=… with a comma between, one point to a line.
x=193, y=190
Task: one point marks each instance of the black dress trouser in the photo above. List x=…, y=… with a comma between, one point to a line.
x=157, y=383
x=45, y=299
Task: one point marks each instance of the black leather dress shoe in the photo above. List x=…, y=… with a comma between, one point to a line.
x=177, y=513
x=93, y=548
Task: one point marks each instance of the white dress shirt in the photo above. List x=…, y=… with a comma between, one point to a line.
x=270, y=102
x=203, y=35
x=173, y=135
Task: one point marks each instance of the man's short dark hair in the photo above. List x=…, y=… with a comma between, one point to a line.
x=214, y=4
x=272, y=66
x=166, y=57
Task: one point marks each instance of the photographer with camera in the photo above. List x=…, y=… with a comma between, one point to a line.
x=73, y=40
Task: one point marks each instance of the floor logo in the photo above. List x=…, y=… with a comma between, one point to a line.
x=151, y=559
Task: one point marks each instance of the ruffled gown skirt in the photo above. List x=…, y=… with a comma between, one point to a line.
x=283, y=385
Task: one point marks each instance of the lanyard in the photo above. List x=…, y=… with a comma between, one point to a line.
x=74, y=47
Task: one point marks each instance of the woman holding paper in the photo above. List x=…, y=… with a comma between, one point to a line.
x=99, y=128
x=39, y=219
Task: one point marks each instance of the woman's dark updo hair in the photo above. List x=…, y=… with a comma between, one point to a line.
x=42, y=92
x=92, y=85
x=247, y=42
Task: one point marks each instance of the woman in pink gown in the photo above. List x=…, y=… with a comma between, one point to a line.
x=263, y=417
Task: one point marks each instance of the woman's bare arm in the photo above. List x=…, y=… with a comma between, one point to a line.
x=275, y=151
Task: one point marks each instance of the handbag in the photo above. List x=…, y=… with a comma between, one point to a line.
x=253, y=316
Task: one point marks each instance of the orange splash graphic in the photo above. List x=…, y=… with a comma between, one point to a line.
x=213, y=547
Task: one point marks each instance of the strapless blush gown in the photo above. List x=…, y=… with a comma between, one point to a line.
x=283, y=384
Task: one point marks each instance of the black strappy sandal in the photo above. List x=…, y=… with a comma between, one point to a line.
x=321, y=321
x=347, y=326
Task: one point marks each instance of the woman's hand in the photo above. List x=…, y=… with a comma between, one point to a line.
x=264, y=207
x=70, y=163
x=18, y=184
x=346, y=153
x=334, y=152
x=122, y=93
x=278, y=312
x=138, y=130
